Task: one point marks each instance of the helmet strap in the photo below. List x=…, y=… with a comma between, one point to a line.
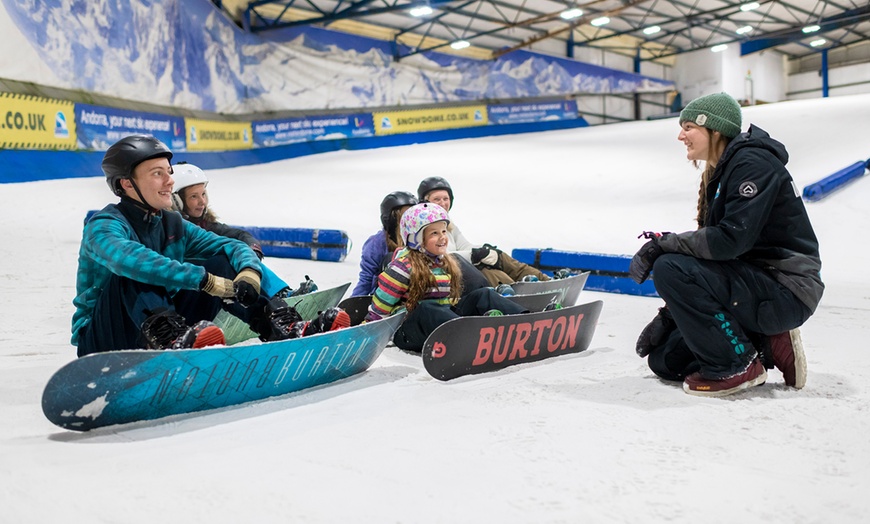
x=142, y=203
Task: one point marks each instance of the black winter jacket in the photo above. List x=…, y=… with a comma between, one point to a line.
x=755, y=214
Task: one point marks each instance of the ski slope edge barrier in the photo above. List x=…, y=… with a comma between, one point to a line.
x=607, y=273
x=824, y=187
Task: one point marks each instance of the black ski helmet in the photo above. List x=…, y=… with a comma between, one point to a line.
x=123, y=156
x=431, y=184
x=391, y=202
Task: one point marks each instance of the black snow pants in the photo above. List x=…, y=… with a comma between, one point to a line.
x=427, y=316
x=718, y=307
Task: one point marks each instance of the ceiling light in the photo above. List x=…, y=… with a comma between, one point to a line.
x=719, y=48
x=571, y=13
x=422, y=10
x=600, y=21
x=651, y=30
x=817, y=43
x=810, y=29
x=460, y=44
x=750, y=6
x=743, y=30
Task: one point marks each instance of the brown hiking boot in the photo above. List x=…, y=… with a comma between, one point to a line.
x=788, y=357
x=755, y=375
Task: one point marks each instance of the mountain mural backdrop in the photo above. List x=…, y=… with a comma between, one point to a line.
x=187, y=53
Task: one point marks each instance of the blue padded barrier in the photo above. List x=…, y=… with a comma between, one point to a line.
x=824, y=187
x=330, y=245
x=608, y=273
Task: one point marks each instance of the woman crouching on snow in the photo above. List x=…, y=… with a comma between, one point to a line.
x=736, y=289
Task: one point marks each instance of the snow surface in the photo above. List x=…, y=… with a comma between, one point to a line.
x=590, y=437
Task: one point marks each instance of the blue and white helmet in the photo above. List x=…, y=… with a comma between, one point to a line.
x=415, y=220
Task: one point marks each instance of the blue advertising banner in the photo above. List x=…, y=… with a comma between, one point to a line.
x=99, y=127
x=327, y=127
x=534, y=112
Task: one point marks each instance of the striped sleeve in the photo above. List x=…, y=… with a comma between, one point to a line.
x=393, y=285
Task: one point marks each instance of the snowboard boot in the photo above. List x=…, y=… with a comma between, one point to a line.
x=529, y=278
x=656, y=332
x=787, y=352
x=505, y=290
x=553, y=305
x=755, y=375
x=166, y=329
x=330, y=319
x=305, y=287
x=279, y=320
x=494, y=313
x=559, y=274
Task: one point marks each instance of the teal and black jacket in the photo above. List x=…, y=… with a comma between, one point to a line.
x=124, y=240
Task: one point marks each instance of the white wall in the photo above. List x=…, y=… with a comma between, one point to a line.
x=703, y=72
x=847, y=80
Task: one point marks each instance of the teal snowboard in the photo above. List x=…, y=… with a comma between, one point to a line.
x=119, y=387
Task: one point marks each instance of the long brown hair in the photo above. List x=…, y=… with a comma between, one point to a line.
x=717, y=146
x=422, y=279
x=394, y=237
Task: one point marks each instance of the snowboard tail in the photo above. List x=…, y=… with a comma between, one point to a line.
x=119, y=387
x=470, y=345
x=569, y=288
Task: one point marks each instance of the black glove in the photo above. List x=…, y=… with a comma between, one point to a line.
x=247, y=286
x=478, y=254
x=642, y=262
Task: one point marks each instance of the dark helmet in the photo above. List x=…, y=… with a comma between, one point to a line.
x=391, y=202
x=124, y=155
x=431, y=184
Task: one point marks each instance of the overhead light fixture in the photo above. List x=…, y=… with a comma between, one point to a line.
x=598, y=22
x=810, y=29
x=817, y=43
x=571, y=14
x=743, y=30
x=460, y=44
x=719, y=48
x=651, y=30
x=751, y=6
x=422, y=10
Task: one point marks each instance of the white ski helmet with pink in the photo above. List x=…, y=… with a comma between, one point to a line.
x=415, y=220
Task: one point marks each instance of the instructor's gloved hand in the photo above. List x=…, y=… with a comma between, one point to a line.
x=247, y=286
x=258, y=250
x=218, y=286
x=642, y=262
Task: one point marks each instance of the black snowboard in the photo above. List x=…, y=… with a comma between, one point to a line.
x=470, y=345
x=536, y=302
x=356, y=308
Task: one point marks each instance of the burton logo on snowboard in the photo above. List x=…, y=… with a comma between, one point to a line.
x=470, y=345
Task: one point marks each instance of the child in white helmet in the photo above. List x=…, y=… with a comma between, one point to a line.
x=190, y=198
x=423, y=279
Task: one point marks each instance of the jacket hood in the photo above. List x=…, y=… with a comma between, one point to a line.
x=755, y=137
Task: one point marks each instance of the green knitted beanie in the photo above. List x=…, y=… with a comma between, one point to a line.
x=718, y=112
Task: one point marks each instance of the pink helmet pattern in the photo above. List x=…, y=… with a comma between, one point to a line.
x=415, y=220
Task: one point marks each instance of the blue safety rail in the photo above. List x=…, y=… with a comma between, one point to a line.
x=824, y=187
x=608, y=273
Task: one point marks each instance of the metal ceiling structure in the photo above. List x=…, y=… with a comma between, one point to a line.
x=643, y=29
